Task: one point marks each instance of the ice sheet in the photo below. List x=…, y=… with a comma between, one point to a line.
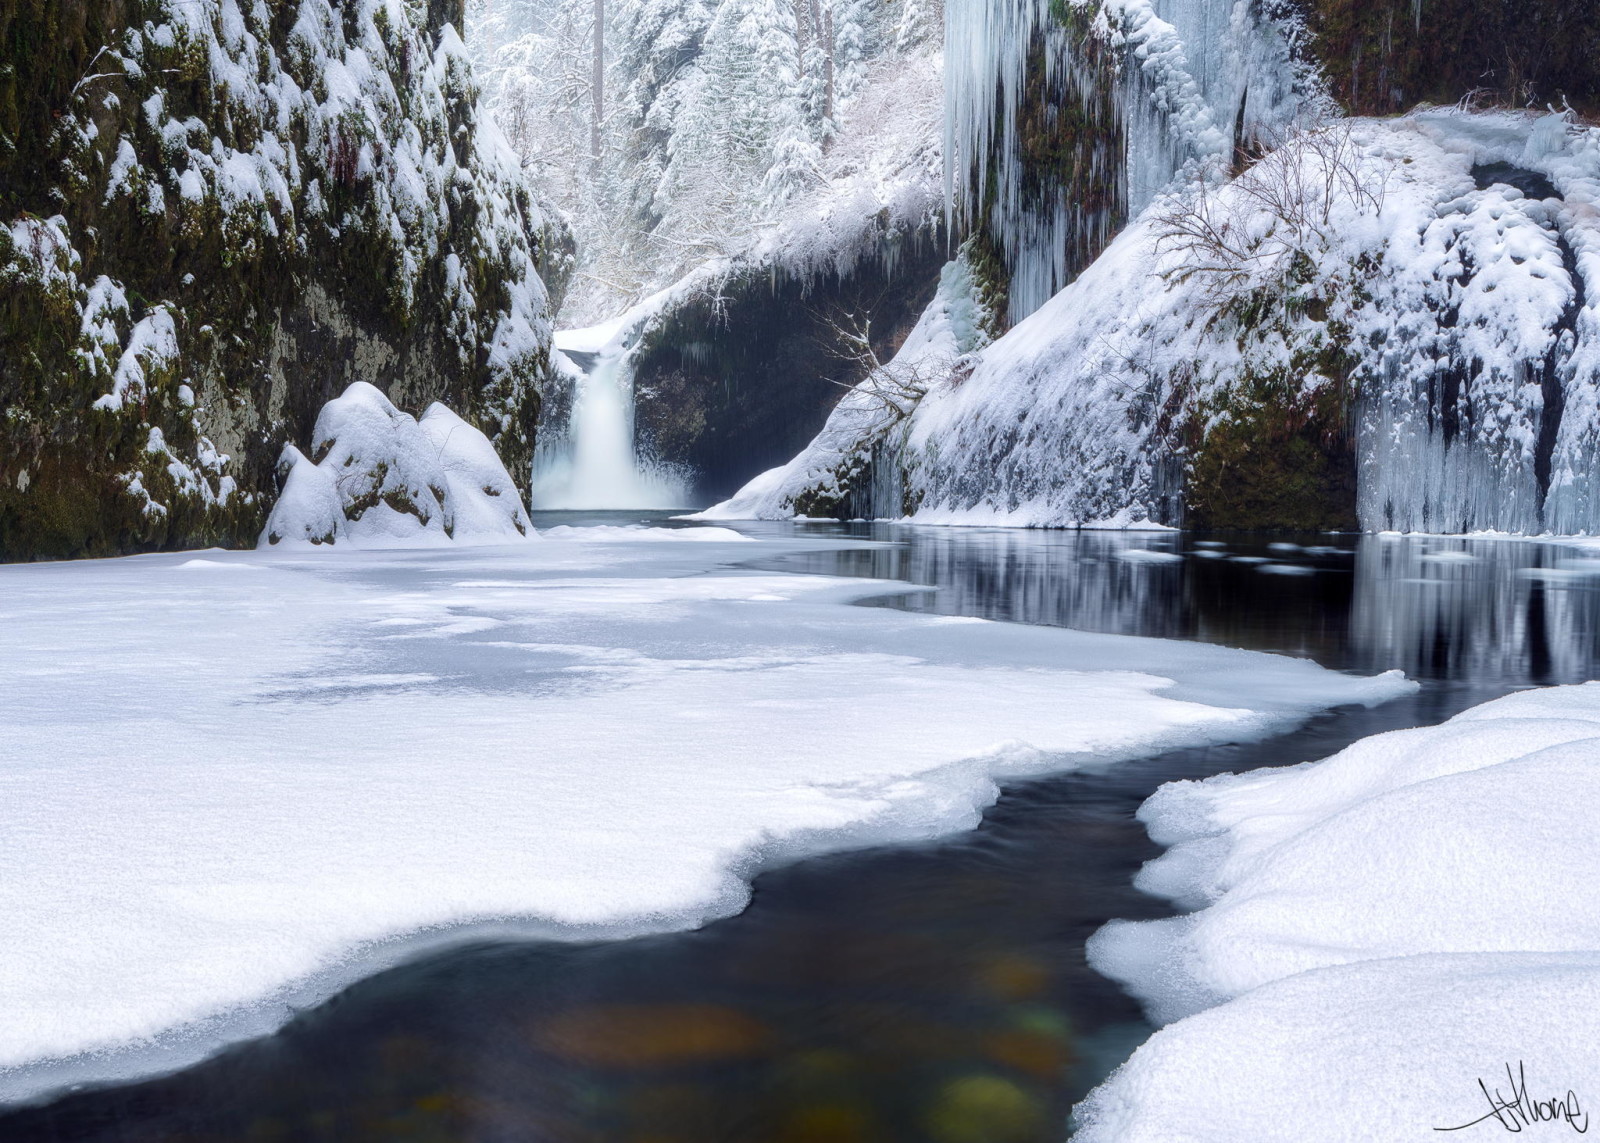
x=232, y=781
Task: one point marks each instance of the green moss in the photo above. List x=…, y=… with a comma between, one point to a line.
x=1274, y=450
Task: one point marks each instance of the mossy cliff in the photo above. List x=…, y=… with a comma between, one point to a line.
x=1385, y=56
x=216, y=215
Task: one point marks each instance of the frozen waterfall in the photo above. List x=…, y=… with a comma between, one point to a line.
x=1130, y=91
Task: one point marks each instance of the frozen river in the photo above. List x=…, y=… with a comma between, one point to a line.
x=612, y=735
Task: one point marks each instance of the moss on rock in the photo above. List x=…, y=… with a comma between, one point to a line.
x=200, y=244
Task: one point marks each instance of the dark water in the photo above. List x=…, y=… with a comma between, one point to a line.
x=935, y=993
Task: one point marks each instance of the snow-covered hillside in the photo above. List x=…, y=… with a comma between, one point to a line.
x=1385, y=321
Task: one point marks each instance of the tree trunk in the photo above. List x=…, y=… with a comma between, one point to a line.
x=597, y=80
x=827, y=68
x=800, y=40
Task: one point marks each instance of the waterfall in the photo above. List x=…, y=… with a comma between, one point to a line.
x=594, y=463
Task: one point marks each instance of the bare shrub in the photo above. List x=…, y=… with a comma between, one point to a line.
x=1283, y=205
x=894, y=387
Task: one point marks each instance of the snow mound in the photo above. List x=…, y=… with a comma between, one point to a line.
x=1334, y=886
x=383, y=478
x=1374, y=1052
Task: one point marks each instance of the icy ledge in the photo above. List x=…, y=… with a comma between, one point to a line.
x=233, y=782
x=1382, y=930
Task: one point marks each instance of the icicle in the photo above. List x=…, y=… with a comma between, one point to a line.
x=1176, y=70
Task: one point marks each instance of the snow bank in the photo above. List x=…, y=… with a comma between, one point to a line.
x=381, y=477
x=1427, y=885
x=1374, y=1052
x=282, y=778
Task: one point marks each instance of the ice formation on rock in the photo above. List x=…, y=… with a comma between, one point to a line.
x=381, y=477
x=1165, y=84
x=1420, y=292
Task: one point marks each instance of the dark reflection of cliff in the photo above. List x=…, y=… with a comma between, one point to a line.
x=1465, y=609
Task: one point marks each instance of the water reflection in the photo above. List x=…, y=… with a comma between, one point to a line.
x=1492, y=610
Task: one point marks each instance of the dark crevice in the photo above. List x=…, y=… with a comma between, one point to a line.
x=1531, y=183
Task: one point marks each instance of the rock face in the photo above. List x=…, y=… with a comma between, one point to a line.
x=214, y=216
x=1383, y=56
x=735, y=379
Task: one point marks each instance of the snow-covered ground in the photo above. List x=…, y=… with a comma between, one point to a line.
x=1380, y=931
x=231, y=782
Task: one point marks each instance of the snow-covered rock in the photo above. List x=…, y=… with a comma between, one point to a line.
x=1405, y=917
x=381, y=477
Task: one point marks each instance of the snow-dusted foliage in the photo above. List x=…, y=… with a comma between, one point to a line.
x=381, y=477
x=235, y=208
x=1131, y=91
x=1381, y=281
x=1373, y=929
x=849, y=469
x=729, y=127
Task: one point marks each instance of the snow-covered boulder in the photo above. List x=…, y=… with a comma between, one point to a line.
x=1399, y=921
x=378, y=476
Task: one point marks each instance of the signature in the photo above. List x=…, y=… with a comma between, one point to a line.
x=1519, y=1110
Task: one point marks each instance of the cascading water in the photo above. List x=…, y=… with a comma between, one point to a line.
x=594, y=464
